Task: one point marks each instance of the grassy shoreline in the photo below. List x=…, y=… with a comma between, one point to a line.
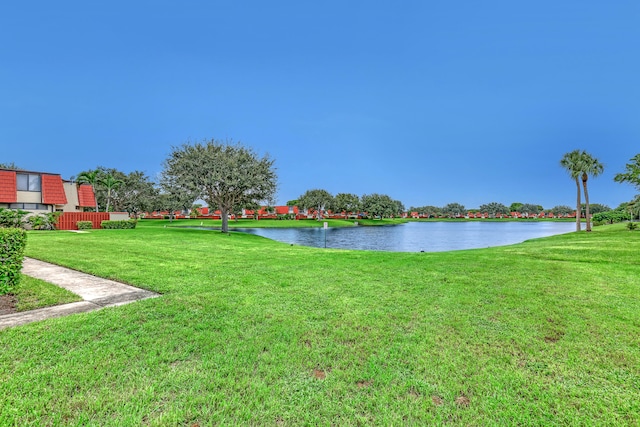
x=250, y=331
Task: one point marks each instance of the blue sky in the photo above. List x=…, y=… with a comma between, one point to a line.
x=428, y=102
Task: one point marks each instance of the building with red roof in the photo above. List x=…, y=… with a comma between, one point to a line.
x=42, y=192
x=86, y=197
x=8, y=189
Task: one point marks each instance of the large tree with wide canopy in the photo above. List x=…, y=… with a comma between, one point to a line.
x=223, y=174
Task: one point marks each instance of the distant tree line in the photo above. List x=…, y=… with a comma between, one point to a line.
x=231, y=177
x=375, y=205
x=495, y=209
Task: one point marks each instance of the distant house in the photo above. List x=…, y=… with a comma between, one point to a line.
x=43, y=192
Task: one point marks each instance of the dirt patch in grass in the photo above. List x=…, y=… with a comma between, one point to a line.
x=319, y=374
x=554, y=336
x=364, y=383
x=8, y=304
x=437, y=400
x=462, y=401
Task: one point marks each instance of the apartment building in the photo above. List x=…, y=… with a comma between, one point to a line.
x=43, y=192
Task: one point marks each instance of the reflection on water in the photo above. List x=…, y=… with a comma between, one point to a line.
x=417, y=236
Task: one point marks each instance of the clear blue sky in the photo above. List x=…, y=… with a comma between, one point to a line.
x=428, y=102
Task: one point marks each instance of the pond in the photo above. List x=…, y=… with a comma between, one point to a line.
x=417, y=236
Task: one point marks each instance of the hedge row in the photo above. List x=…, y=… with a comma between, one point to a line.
x=119, y=225
x=12, y=243
x=84, y=225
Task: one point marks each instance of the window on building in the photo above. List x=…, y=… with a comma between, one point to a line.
x=29, y=206
x=28, y=182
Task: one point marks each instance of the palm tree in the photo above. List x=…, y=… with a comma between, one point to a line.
x=590, y=166
x=572, y=162
x=92, y=178
x=110, y=184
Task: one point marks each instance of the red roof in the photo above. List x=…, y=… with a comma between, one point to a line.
x=86, y=198
x=284, y=210
x=52, y=190
x=8, y=187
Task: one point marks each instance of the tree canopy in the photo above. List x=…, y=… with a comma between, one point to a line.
x=117, y=191
x=494, y=208
x=136, y=194
x=530, y=209
x=515, y=207
x=453, y=209
x=380, y=205
x=631, y=174
x=317, y=199
x=346, y=202
x=223, y=174
x=595, y=208
x=561, y=210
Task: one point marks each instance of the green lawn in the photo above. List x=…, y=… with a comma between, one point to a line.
x=33, y=293
x=255, y=332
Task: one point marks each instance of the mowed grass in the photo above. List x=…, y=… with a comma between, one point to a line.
x=34, y=293
x=253, y=332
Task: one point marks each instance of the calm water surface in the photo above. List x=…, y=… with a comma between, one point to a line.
x=417, y=236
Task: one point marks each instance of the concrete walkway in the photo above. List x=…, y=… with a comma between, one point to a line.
x=95, y=291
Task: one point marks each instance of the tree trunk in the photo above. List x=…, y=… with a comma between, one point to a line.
x=224, y=215
x=578, y=206
x=585, y=177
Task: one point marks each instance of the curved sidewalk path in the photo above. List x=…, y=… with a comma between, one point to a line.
x=96, y=292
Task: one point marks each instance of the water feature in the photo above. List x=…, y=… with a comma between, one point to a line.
x=417, y=236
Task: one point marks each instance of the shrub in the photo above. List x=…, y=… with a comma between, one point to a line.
x=12, y=218
x=119, y=225
x=611, y=216
x=84, y=225
x=45, y=221
x=632, y=226
x=12, y=243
